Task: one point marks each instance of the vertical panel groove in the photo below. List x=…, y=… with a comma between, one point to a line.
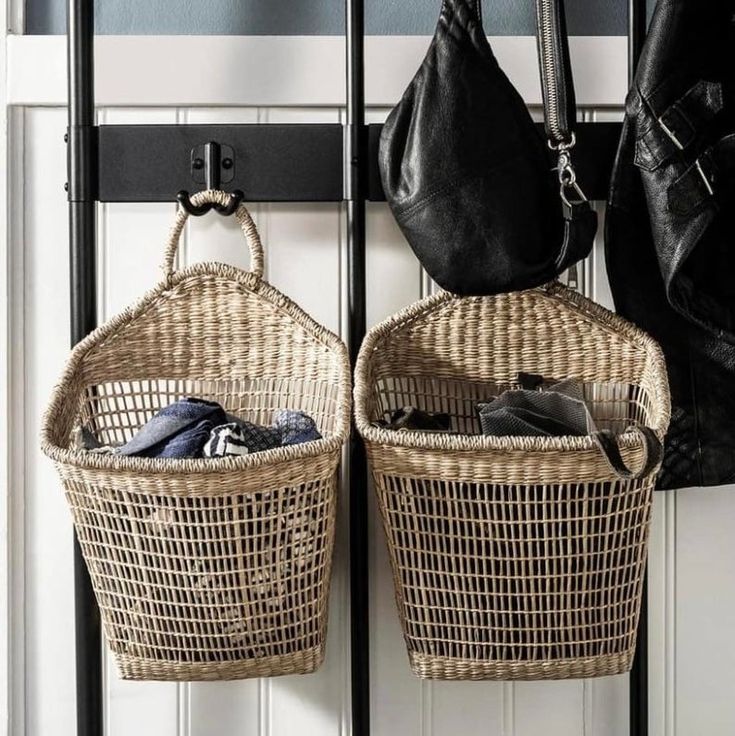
x=670, y=616
x=183, y=711
x=426, y=711
x=261, y=216
x=183, y=689
x=345, y=722
x=16, y=401
x=103, y=312
x=508, y=703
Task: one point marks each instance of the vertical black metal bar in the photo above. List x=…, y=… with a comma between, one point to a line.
x=636, y=33
x=357, y=195
x=639, y=673
x=80, y=166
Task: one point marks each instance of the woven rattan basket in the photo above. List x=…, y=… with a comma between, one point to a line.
x=206, y=569
x=512, y=557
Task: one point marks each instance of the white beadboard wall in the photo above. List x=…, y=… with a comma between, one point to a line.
x=692, y=563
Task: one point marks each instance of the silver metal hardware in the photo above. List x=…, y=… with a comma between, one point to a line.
x=567, y=174
x=704, y=178
x=670, y=133
x=563, y=145
x=569, y=190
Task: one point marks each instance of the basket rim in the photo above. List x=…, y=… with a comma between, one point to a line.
x=249, y=282
x=417, y=439
x=188, y=466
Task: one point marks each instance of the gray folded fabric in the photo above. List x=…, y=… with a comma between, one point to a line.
x=84, y=439
x=555, y=411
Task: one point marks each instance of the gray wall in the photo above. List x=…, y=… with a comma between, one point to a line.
x=313, y=17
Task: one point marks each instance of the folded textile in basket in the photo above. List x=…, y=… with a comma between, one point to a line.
x=178, y=430
x=546, y=411
x=409, y=417
x=193, y=427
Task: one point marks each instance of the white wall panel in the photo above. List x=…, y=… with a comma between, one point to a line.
x=471, y=708
x=49, y=623
x=705, y=612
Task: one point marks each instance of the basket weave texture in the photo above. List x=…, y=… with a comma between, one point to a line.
x=512, y=557
x=206, y=569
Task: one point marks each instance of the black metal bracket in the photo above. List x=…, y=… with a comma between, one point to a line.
x=212, y=164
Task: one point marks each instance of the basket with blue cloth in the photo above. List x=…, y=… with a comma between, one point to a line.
x=198, y=436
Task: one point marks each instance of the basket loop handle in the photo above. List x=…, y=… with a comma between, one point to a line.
x=654, y=452
x=217, y=197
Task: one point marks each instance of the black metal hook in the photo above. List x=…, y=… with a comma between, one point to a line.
x=197, y=210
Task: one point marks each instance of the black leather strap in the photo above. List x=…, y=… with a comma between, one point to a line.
x=580, y=226
x=679, y=122
x=608, y=444
x=553, y=44
x=699, y=183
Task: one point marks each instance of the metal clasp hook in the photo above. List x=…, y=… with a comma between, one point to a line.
x=567, y=174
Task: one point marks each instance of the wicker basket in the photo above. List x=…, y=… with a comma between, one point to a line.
x=206, y=569
x=512, y=557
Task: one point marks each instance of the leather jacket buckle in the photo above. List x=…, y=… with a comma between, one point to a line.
x=705, y=178
x=695, y=186
x=670, y=133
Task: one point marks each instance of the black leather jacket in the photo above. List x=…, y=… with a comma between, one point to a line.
x=670, y=228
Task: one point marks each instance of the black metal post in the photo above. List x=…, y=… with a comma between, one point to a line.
x=637, y=22
x=357, y=194
x=83, y=282
x=639, y=673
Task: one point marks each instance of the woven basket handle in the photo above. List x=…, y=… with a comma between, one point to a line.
x=654, y=451
x=241, y=215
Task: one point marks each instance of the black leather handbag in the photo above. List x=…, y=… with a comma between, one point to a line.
x=468, y=177
x=670, y=228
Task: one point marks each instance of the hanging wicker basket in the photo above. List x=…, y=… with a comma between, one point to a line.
x=206, y=569
x=512, y=557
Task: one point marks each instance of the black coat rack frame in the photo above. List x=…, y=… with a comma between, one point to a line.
x=268, y=163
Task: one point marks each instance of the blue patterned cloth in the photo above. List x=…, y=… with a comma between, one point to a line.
x=227, y=440
x=296, y=427
x=179, y=430
x=193, y=427
x=256, y=437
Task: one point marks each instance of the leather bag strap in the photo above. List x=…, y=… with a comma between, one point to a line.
x=560, y=112
x=654, y=452
x=557, y=84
